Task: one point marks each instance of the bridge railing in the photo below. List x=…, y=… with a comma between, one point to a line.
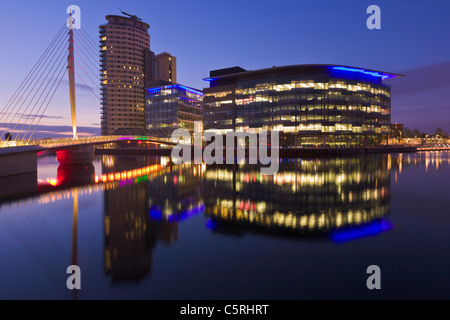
x=12, y=143
x=57, y=142
x=70, y=141
x=86, y=140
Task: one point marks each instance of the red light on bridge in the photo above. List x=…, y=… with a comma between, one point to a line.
x=53, y=182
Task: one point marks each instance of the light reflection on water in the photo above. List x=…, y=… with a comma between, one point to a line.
x=143, y=222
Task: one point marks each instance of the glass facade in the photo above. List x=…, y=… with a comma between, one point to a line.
x=309, y=105
x=170, y=107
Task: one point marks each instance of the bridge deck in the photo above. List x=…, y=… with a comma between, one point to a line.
x=69, y=143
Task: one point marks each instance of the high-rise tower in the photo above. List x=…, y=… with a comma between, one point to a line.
x=126, y=65
x=166, y=67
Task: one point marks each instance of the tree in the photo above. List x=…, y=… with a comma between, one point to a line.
x=440, y=132
x=416, y=133
x=407, y=133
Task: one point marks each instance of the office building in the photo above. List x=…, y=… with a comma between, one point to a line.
x=127, y=64
x=166, y=67
x=172, y=106
x=309, y=105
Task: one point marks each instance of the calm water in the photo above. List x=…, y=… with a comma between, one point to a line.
x=142, y=231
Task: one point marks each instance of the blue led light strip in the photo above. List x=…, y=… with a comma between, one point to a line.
x=185, y=88
x=352, y=233
x=154, y=90
x=371, y=73
x=157, y=90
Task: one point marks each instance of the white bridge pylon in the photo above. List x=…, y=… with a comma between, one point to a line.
x=72, y=22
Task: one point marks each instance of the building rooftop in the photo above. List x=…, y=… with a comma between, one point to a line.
x=240, y=72
x=131, y=20
x=164, y=54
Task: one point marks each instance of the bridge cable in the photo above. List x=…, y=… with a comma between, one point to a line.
x=87, y=65
x=93, y=47
x=56, y=67
x=86, y=85
x=94, y=43
x=93, y=59
x=25, y=90
x=89, y=61
x=61, y=64
x=46, y=73
x=40, y=118
x=28, y=75
x=87, y=74
x=46, y=63
x=6, y=109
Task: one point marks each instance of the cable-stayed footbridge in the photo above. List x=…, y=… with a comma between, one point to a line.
x=74, y=54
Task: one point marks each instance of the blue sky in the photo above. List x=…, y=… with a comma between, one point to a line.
x=206, y=35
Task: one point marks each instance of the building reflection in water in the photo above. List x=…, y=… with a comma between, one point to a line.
x=341, y=198
x=337, y=198
x=306, y=198
x=139, y=215
x=434, y=159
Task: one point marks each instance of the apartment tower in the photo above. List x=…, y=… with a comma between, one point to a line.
x=127, y=64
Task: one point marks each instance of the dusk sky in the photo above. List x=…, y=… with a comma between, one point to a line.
x=206, y=35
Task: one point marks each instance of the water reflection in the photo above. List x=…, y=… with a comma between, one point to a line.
x=306, y=198
x=145, y=202
x=139, y=215
x=129, y=238
x=17, y=187
x=430, y=159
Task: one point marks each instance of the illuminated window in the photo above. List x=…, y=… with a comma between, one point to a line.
x=219, y=94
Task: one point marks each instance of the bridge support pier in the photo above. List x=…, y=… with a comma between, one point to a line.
x=18, y=171
x=76, y=174
x=80, y=155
